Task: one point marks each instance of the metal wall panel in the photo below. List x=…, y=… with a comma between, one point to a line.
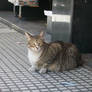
x=61, y=20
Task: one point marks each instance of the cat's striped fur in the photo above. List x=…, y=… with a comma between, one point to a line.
x=54, y=56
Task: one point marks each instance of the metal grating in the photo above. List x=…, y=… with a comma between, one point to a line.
x=15, y=77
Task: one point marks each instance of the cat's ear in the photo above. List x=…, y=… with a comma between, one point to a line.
x=29, y=36
x=41, y=34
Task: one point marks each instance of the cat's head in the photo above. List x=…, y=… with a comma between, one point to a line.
x=35, y=43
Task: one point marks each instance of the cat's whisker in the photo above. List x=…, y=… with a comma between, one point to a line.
x=20, y=42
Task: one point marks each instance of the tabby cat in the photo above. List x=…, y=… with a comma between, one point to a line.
x=55, y=56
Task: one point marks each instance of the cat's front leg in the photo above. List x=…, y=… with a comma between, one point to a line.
x=32, y=68
x=43, y=69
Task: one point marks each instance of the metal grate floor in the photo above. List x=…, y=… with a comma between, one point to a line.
x=15, y=77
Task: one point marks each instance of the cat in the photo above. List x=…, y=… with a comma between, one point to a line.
x=55, y=56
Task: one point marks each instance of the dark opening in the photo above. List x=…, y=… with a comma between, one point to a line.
x=82, y=25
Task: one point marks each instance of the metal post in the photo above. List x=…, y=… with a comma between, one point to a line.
x=20, y=10
x=14, y=10
x=62, y=11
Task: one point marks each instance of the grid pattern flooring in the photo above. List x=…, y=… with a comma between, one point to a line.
x=15, y=77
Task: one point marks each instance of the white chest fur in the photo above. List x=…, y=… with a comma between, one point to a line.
x=33, y=56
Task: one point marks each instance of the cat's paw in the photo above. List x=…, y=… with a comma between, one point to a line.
x=43, y=70
x=32, y=69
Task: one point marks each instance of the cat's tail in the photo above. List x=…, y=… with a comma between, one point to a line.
x=80, y=60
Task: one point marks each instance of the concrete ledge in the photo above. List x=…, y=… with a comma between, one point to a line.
x=11, y=25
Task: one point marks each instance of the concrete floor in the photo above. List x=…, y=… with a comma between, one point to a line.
x=15, y=76
x=33, y=25
x=14, y=65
